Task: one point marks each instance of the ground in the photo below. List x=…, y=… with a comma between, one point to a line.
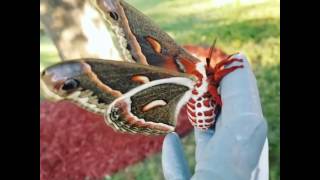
x=253, y=28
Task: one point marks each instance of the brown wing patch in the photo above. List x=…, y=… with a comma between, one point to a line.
x=96, y=80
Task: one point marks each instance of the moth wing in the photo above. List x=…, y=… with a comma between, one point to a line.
x=151, y=108
x=140, y=40
x=125, y=76
x=101, y=82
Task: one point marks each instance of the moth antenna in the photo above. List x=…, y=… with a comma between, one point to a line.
x=208, y=59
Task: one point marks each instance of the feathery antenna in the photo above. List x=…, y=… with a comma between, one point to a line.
x=211, y=51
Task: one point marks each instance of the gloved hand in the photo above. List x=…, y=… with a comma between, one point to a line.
x=232, y=150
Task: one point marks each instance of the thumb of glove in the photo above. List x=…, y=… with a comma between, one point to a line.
x=174, y=163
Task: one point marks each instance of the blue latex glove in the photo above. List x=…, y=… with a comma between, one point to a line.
x=232, y=150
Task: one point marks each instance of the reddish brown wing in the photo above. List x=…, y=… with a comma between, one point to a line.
x=145, y=41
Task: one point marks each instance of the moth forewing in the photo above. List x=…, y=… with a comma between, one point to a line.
x=119, y=40
x=140, y=40
x=151, y=108
x=46, y=93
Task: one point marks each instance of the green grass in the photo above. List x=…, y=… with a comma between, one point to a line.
x=48, y=52
x=253, y=29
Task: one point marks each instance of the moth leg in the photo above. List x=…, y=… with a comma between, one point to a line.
x=221, y=73
x=226, y=61
x=214, y=93
x=197, y=74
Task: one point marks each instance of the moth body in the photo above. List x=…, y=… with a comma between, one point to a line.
x=201, y=107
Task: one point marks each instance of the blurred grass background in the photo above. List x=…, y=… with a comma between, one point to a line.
x=250, y=26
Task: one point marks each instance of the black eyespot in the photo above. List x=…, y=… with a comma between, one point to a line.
x=134, y=58
x=70, y=84
x=100, y=101
x=114, y=15
x=129, y=47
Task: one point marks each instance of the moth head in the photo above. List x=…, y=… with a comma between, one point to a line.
x=71, y=81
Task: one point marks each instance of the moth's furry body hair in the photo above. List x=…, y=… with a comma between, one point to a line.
x=200, y=104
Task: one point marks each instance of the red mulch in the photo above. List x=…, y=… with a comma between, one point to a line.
x=75, y=144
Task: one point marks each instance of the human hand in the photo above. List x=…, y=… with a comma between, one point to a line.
x=232, y=150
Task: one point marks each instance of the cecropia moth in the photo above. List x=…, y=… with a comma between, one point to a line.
x=145, y=91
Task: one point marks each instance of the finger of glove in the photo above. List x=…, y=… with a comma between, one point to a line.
x=240, y=132
x=174, y=163
x=202, y=138
x=239, y=92
x=234, y=151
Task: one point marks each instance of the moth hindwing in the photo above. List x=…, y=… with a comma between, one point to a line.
x=151, y=108
x=151, y=94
